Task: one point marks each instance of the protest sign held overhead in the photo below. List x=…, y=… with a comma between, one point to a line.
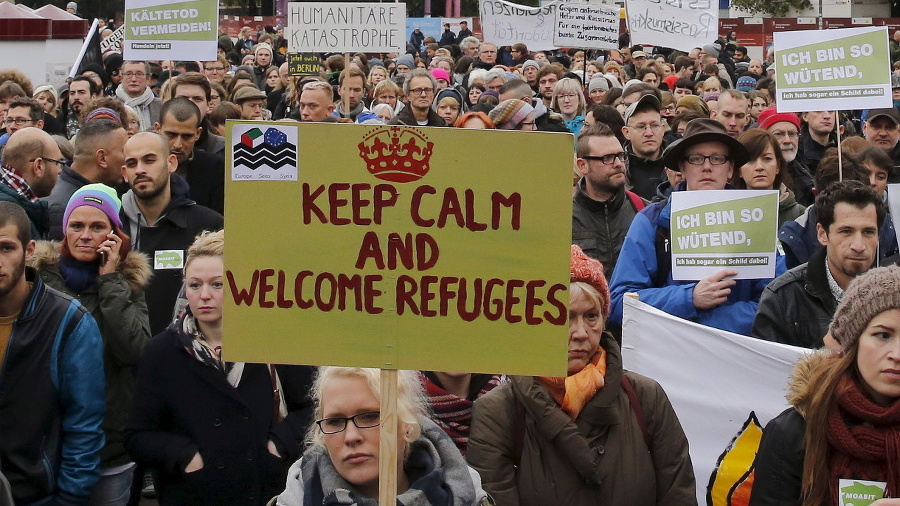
x=314, y=27
x=303, y=64
x=840, y=69
x=677, y=24
x=388, y=231
x=171, y=30
x=586, y=26
x=723, y=386
x=114, y=41
x=505, y=24
x=724, y=229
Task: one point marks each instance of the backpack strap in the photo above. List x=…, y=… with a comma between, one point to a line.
x=662, y=246
x=636, y=200
x=638, y=411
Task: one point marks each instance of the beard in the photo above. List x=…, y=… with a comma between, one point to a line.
x=12, y=281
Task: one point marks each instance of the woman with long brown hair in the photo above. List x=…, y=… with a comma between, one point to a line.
x=845, y=419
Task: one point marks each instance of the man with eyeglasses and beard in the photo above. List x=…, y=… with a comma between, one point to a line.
x=708, y=157
x=602, y=209
x=785, y=126
x=31, y=165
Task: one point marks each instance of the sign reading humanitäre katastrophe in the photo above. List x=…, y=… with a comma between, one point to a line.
x=386, y=244
x=324, y=27
x=171, y=30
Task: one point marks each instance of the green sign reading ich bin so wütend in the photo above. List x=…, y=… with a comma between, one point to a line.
x=713, y=230
x=167, y=30
x=842, y=69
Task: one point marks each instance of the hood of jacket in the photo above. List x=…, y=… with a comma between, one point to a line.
x=805, y=370
x=179, y=190
x=135, y=269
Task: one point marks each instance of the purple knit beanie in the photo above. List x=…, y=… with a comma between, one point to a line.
x=95, y=195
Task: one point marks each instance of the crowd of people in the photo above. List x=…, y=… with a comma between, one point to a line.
x=112, y=283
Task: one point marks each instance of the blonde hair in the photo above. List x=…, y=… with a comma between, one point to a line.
x=207, y=244
x=567, y=84
x=411, y=399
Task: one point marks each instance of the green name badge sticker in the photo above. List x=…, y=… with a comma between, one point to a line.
x=168, y=259
x=860, y=492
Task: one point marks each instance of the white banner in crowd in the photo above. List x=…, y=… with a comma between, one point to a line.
x=586, y=26
x=893, y=196
x=714, y=379
x=841, y=69
x=679, y=25
x=314, y=27
x=505, y=24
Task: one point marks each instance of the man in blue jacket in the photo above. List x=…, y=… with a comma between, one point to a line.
x=51, y=381
x=707, y=157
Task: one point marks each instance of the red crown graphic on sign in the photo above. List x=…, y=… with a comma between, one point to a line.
x=396, y=153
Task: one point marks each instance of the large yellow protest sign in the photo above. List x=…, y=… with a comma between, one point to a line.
x=397, y=247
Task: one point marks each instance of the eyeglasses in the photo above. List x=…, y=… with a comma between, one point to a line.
x=651, y=126
x=701, y=159
x=17, y=121
x=336, y=424
x=139, y=75
x=215, y=69
x=421, y=91
x=781, y=135
x=610, y=158
x=567, y=97
x=44, y=158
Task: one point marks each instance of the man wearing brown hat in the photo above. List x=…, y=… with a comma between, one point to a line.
x=707, y=157
x=251, y=100
x=797, y=307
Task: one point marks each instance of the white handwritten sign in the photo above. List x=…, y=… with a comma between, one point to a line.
x=587, y=26
x=346, y=27
x=679, y=24
x=505, y=24
x=114, y=41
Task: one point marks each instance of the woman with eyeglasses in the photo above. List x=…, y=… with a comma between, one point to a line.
x=568, y=100
x=598, y=435
x=340, y=465
x=215, y=432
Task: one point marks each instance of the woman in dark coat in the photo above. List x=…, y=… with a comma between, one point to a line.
x=216, y=432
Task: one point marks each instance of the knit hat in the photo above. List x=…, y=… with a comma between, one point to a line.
x=745, y=84
x=48, y=88
x=439, y=73
x=509, y=113
x=712, y=49
x=103, y=113
x=262, y=45
x=407, y=60
x=771, y=116
x=629, y=84
x=895, y=81
x=598, y=82
x=95, y=195
x=868, y=295
x=585, y=269
x=694, y=103
x=670, y=81
x=72, y=5
x=611, y=65
x=531, y=63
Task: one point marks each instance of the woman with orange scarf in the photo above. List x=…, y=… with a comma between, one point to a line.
x=598, y=436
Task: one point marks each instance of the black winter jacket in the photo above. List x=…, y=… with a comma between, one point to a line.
x=797, y=307
x=183, y=406
x=600, y=227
